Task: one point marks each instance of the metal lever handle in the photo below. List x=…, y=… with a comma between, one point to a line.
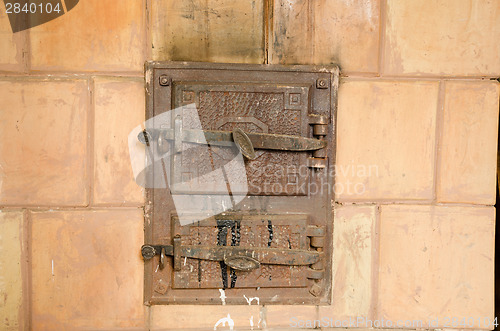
x=247, y=142
x=244, y=144
x=239, y=258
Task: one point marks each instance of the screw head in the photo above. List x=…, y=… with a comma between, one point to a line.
x=161, y=287
x=315, y=290
x=148, y=252
x=144, y=137
x=164, y=80
x=322, y=83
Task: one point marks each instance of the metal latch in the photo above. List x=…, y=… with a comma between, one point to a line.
x=247, y=142
x=238, y=258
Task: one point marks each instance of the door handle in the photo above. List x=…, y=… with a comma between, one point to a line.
x=247, y=142
x=239, y=258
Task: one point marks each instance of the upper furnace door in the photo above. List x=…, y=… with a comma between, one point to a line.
x=240, y=183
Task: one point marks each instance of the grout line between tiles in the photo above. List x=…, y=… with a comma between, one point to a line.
x=148, y=49
x=34, y=209
x=91, y=141
x=206, y=41
x=27, y=284
x=109, y=206
x=312, y=29
x=27, y=51
x=409, y=203
x=372, y=77
x=148, y=317
x=438, y=138
x=382, y=37
x=268, y=30
x=375, y=272
x=119, y=205
x=69, y=75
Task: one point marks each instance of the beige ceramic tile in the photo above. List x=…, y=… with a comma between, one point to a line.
x=196, y=317
x=212, y=31
x=291, y=316
x=43, y=154
x=468, y=150
x=386, y=140
x=119, y=107
x=87, y=272
x=354, y=245
x=327, y=31
x=292, y=32
x=11, y=277
x=436, y=262
x=347, y=33
x=443, y=37
x=13, y=45
x=94, y=35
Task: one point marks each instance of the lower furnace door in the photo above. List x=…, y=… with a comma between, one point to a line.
x=239, y=183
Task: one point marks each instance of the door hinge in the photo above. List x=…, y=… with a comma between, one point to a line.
x=316, y=271
x=320, y=131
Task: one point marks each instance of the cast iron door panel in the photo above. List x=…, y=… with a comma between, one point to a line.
x=240, y=187
x=273, y=231
x=252, y=108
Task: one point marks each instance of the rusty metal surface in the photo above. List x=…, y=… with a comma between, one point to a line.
x=276, y=241
x=279, y=100
x=241, y=263
x=253, y=108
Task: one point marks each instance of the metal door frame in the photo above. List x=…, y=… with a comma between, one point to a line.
x=155, y=81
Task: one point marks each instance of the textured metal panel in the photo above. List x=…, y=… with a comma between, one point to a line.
x=252, y=108
x=276, y=231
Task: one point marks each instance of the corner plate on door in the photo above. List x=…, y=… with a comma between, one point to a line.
x=241, y=183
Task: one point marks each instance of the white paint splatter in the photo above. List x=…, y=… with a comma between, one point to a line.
x=185, y=260
x=222, y=296
x=148, y=77
x=225, y=320
x=157, y=268
x=249, y=300
x=251, y=322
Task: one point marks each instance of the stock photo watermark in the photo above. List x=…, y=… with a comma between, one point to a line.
x=25, y=14
x=364, y=322
x=206, y=172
